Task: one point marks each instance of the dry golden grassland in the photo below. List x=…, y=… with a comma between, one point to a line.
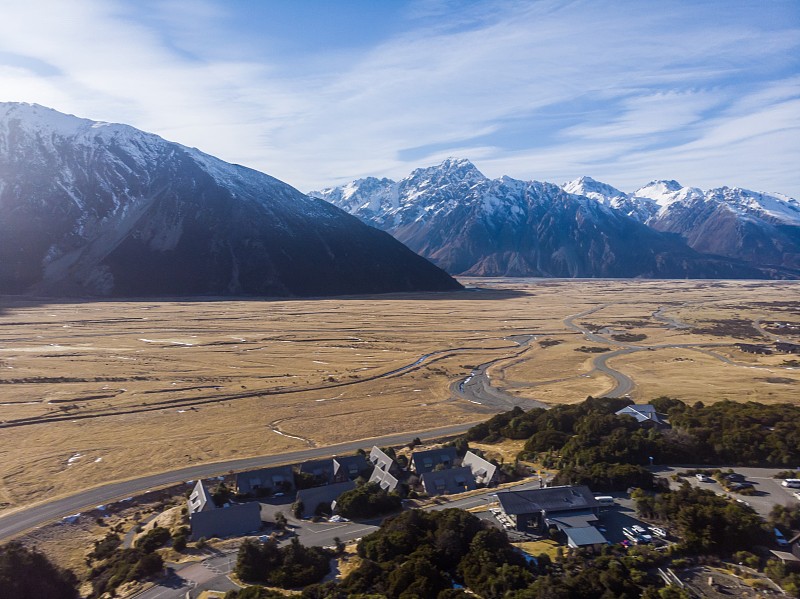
x=106, y=390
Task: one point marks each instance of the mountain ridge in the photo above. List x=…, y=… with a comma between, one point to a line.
x=90, y=208
x=472, y=225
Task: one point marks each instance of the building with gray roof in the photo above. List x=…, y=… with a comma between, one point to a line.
x=380, y=459
x=426, y=461
x=321, y=470
x=384, y=478
x=266, y=481
x=532, y=508
x=448, y=482
x=483, y=470
x=199, y=499
x=207, y=520
x=643, y=413
x=312, y=499
x=585, y=536
x=350, y=467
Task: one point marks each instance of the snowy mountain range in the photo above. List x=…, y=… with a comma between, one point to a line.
x=470, y=224
x=759, y=228
x=89, y=208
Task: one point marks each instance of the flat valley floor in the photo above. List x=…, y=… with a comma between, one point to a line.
x=96, y=391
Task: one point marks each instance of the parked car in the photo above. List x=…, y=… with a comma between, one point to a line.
x=642, y=532
x=740, y=486
x=659, y=532
x=704, y=478
x=734, y=477
x=797, y=494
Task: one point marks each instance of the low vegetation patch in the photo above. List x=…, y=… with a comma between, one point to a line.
x=629, y=337
x=592, y=349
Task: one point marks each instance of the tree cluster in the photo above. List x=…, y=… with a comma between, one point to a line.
x=745, y=434
x=423, y=554
x=287, y=567
x=612, y=573
x=124, y=565
x=707, y=523
x=115, y=566
x=367, y=501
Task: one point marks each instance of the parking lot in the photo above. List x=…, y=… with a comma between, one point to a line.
x=769, y=491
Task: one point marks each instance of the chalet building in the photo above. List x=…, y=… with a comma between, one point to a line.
x=381, y=460
x=350, y=467
x=384, y=478
x=644, y=413
x=538, y=509
x=448, y=482
x=312, y=499
x=207, y=520
x=266, y=481
x=483, y=471
x=321, y=470
x=336, y=470
x=427, y=461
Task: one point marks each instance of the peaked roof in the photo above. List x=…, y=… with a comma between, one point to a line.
x=322, y=469
x=424, y=461
x=482, y=470
x=550, y=499
x=350, y=464
x=386, y=481
x=449, y=481
x=264, y=477
x=380, y=459
x=642, y=413
x=199, y=499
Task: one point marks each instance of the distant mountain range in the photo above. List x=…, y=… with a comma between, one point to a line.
x=90, y=208
x=472, y=225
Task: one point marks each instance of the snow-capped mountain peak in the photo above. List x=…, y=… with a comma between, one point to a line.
x=591, y=188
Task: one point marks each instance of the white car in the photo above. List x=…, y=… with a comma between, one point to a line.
x=659, y=532
x=703, y=478
x=797, y=494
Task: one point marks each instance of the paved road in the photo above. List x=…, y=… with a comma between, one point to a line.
x=30, y=517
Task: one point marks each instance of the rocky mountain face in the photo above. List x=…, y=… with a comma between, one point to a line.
x=90, y=208
x=472, y=225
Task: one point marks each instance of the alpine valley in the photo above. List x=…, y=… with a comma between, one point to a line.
x=89, y=208
x=469, y=224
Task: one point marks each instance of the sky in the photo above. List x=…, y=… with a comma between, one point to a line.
x=320, y=92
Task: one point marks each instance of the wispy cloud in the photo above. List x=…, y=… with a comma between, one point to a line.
x=623, y=90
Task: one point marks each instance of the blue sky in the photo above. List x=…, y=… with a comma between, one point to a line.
x=321, y=92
